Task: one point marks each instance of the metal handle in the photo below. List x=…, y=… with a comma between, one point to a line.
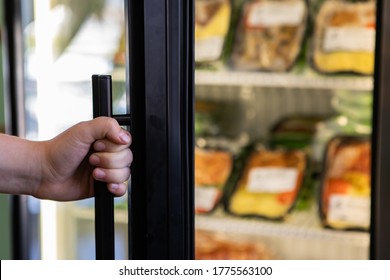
x=104, y=200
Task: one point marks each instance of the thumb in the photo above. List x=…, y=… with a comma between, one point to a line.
x=105, y=127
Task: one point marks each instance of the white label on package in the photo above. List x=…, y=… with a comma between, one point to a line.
x=272, y=179
x=349, y=39
x=209, y=49
x=268, y=14
x=354, y=211
x=205, y=197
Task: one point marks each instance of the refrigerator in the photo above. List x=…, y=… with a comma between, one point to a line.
x=185, y=87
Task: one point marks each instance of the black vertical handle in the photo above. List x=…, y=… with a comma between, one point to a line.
x=104, y=200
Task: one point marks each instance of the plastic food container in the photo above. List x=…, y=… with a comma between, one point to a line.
x=219, y=246
x=344, y=39
x=346, y=190
x=268, y=184
x=294, y=132
x=269, y=35
x=212, y=22
x=213, y=167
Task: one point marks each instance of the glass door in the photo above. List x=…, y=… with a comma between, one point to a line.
x=283, y=121
x=64, y=44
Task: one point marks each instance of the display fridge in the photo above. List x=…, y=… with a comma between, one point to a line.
x=258, y=126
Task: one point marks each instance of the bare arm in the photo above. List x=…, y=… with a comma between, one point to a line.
x=63, y=168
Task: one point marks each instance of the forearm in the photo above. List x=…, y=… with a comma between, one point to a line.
x=20, y=165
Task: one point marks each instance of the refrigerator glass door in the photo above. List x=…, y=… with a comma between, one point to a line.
x=65, y=43
x=283, y=124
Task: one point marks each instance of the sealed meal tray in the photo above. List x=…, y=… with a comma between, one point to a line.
x=269, y=184
x=295, y=131
x=346, y=189
x=220, y=246
x=212, y=21
x=213, y=167
x=269, y=35
x=344, y=39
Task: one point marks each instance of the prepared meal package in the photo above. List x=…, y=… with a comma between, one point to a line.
x=269, y=184
x=269, y=35
x=212, y=170
x=219, y=246
x=294, y=131
x=346, y=188
x=212, y=21
x=344, y=39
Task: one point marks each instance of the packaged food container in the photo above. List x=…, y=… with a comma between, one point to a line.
x=294, y=132
x=269, y=34
x=346, y=190
x=221, y=246
x=344, y=37
x=212, y=22
x=297, y=132
x=268, y=184
x=213, y=166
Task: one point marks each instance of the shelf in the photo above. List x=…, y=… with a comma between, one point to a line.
x=299, y=237
x=301, y=224
x=307, y=80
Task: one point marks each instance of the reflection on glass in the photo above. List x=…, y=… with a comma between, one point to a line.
x=66, y=42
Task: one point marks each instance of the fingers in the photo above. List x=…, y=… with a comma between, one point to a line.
x=118, y=189
x=112, y=165
x=115, y=160
x=111, y=176
x=108, y=146
x=112, y=156
x=104, y=128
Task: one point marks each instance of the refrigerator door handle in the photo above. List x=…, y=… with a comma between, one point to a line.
x=104, y=200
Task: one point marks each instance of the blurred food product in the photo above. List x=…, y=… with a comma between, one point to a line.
x=344, y=39
x=269, y=184
x=354, y=117
x=297, y=132
x=346, y=187
x=212, y=170
x=219, y=246
x=294, y=131
x=212, y=21
x=269, y=35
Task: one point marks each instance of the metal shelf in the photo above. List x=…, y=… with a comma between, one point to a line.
x=306, y=80
x=300, y=236
x=301, y=224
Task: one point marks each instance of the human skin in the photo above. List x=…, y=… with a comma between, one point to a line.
x=64, y=168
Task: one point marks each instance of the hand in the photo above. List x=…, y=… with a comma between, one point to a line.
x=69, y=164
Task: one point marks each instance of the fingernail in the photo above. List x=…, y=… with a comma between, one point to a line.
x=114, y=187
x=124, y=137
x=99, y=174
x=94, y=159
x=99, y=146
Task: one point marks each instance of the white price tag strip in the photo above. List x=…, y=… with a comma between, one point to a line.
x=267, y=14
x=349, y=39
x=272, y=179
x=206, y=197
x=351, y=210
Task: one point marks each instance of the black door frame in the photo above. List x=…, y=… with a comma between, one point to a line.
x=15, y=117
x=380, y=207
x=161, y=84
